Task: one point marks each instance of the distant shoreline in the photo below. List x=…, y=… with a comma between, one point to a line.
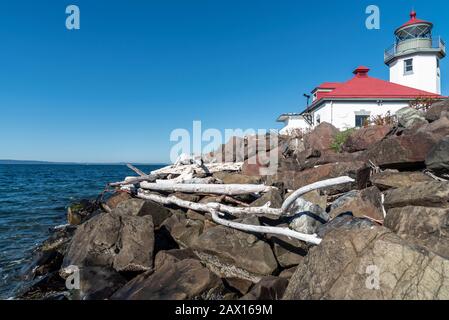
x=35, y=162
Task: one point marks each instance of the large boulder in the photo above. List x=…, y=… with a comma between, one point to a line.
x=365, y=137
x=122, y=242
x=391, y=179
x=141, y=208
x=117, y=198
x=359, y=260
x=97, y=283
x=237, y=178
x=437, y=110
x=268, y=288
x=294, y=179
x=438, y=158
x=403, y=152
x=182, y=280
x=320, y=139
x=424, y=226
x=409, y=117
x=184, y=231
x=364, y=203
x=424, y=194
x=241, y=249
x=289, y=252
x=306, y=217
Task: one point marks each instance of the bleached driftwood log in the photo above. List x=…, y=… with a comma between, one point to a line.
x=221, y=189
x=309, y=238
x=136, y=170
x=213, y=208
x=209, y=207
x=211, y=168
x=134, y=180
x=311, y=187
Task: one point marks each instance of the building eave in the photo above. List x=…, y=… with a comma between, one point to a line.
x=318, y=103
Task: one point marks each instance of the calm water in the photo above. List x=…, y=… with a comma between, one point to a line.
x=34, y=198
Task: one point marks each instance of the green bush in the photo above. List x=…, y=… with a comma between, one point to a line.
x=340, y=139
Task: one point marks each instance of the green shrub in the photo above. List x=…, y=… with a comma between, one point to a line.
x=340, y=139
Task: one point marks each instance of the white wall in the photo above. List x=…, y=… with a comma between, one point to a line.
x=293, y=124
x=425, y=76
x=342, y=114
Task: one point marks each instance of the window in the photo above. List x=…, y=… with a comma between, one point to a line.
x=318, y=119
x=408, y=66
x=361, y=121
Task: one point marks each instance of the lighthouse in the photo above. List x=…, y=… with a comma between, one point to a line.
x=414, y=59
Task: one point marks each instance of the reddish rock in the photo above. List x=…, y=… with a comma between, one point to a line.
x=294, y=179
x=117, y=198
x=391, y=180
x=363, y=138
x=262, y=165
x=437, y=110
x=321, y=138
x=406, y=151
x=365, y=203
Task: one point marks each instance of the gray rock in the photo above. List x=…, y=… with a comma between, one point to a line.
x=244, y=250
x=141, y=208
x=427, y=227
x=359, y=261
x=307, y=217
x=269, y=288
x=408, y=117
x=424, y=194
x=438, y=158
x=122, y=242
x=437, y=110
x=183, y=280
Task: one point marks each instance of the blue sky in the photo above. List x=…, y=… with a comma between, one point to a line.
x=115, y=89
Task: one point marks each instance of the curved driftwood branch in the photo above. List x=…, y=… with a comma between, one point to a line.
x=314, y=186
x=221, y=189
x=309, y=238
x=209, y=207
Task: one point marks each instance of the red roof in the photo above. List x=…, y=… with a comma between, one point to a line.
x=363, y=86
x=329, y=85
x=413, y=20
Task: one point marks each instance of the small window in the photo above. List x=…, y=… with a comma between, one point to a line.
x=361, y=121
x=318, y=119
x=408, y=66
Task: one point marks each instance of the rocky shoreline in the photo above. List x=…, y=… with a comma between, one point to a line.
x=383, y=234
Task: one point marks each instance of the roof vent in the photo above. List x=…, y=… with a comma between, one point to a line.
x=361, y=72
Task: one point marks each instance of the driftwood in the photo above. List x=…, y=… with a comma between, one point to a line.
x=136, y=170
x=209, y=207
x=221, y=189
x=309, y=238
x=205, y=168
x=311, y=187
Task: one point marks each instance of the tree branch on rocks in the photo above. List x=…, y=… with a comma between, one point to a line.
x=208, y=168
x=209, y=207
x=309, y=238
x=221, y=189
x=311, y=187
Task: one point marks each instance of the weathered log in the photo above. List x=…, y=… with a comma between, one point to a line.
x=134, y=180
x=221, y=189
x=209, y=207
x=205, y=168
x=136, y=170
x=311, y=187
x=309, y=238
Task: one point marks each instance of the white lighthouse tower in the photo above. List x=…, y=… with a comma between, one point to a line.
x=414, y=59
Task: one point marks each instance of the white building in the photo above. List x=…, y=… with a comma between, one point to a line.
x=414, y=62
